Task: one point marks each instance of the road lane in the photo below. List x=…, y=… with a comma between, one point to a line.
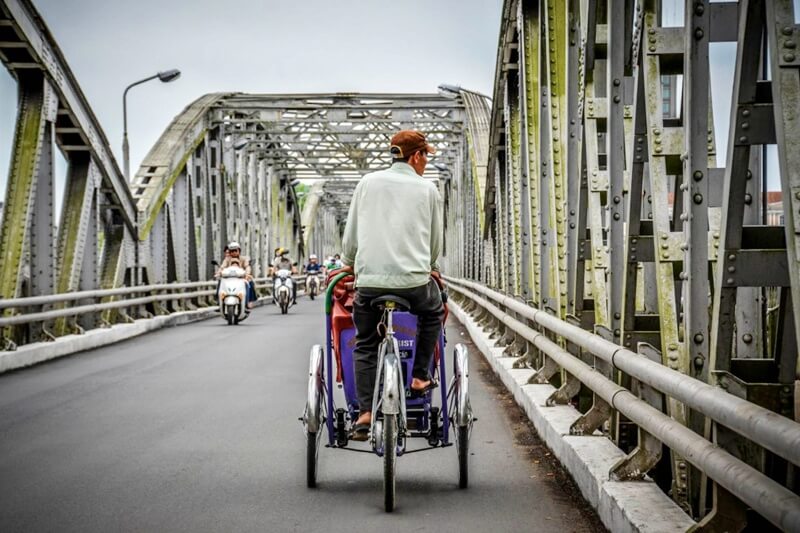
x=195, y=429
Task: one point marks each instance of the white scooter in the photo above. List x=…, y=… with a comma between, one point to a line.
x=282, y=290
x=233, y=294
x=312, y=285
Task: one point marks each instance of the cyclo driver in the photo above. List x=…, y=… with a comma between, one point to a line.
x=399, y=263
x=283, y=262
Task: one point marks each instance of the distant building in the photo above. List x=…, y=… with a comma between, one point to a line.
x=669, y=96
x=775, y=208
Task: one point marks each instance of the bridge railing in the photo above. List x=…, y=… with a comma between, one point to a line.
x=593, y=362
x=76, y=312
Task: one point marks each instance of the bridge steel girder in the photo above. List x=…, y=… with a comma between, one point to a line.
x=604, y=204
x=44, y=253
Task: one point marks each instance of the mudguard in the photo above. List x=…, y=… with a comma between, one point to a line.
x=312, y=415
x=463, y=414
x=393, y=400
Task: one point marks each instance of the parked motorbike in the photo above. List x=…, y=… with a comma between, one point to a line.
x=282, y=290
x=232, y=294
x=312, y=285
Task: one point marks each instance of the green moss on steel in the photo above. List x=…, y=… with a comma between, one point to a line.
x=155, y=206
x=20, y=189
x=476, y=180
x=557, y=53
x=516, y=184
x=531, y=54
x=69, y=231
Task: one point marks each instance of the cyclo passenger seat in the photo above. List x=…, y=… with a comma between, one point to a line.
x=399, y=304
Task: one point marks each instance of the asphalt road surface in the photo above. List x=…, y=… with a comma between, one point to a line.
x=195, y=429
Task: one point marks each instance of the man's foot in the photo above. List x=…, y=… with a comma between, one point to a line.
x=422, y=386
x=250, y=305
x=360, y=431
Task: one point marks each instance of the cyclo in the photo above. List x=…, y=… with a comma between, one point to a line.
x=398, y=416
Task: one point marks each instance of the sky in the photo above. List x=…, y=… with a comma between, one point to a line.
x=261, y=46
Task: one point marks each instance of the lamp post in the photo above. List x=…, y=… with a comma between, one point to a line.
x=165, y=76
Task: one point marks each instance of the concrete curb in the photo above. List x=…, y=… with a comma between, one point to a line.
x=38, y=352
x=623, y=506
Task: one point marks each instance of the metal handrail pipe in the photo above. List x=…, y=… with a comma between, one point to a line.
x=94, y=308
x=97, y=293
x=766, y=428
x=776, y=503
x=31, y=301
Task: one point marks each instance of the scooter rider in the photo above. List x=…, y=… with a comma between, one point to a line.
x=400, y=263
x=283, y=262
x=313, y=266
x=234, y=256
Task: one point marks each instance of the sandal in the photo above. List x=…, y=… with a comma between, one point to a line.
x=416, y=393
x=360, y=432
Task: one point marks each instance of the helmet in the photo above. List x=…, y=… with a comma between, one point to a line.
x=312, y=256
x=283, y=251
x=233, y=245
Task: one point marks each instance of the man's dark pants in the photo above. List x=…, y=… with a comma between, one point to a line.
x=426, y=304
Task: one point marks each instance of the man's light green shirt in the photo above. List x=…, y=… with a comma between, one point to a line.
x=393, y=235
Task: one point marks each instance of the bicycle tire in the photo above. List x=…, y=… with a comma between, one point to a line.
x=389, y=461
x=462, y=445
x=312, y=459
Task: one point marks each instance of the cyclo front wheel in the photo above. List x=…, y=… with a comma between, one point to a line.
x=389, y=461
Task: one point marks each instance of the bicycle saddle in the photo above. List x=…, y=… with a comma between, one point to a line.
x=401, y=304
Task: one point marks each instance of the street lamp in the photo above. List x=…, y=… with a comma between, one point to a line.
x=165, y=76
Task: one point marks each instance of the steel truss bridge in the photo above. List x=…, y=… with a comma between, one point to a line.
x=589, y=225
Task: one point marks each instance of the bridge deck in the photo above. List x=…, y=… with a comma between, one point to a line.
x=195, y=429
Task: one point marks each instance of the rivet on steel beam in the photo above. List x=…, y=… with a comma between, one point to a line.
x=616, y=216
x=747, y=338
x=731, y=269
x=745, y=125
x=699, y=9
x=617, y=199
x=787, y=30
x=698, y=198
x=699, y=362
x=729, y=281
x=743, y=139
x=698, y=175
x=789, y=57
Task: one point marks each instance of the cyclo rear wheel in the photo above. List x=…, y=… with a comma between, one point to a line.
x=389, y=461
x=312, y=458
x=462, y=445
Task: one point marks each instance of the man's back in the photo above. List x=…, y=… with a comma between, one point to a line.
x=393, y=233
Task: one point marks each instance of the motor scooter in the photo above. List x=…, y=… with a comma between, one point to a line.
x=312, y=285
x=232, y=294
x=282, y=290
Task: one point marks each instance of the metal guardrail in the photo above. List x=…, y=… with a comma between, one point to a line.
x=774, y=432
x=132, y=297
